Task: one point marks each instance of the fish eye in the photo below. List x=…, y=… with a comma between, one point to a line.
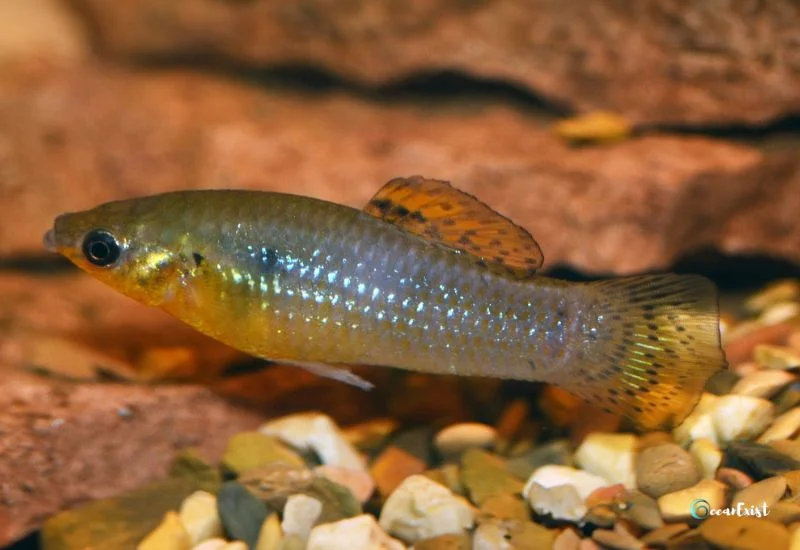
x=101, y=248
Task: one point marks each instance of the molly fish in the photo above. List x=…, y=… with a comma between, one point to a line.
x=425, y=278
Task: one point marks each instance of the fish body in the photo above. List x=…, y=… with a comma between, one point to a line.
x=400, y=284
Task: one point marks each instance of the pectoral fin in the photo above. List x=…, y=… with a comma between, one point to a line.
x=334, y=372
x=440, y=213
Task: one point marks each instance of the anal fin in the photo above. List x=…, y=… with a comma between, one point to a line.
x=334, y=372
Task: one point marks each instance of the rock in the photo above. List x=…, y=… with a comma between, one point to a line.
x=562, y=502
x=198, y=514
x=783, y=427
x=734, y=86
x=679, y=505
x=734, y=478
x=784, y=512
x=553, y=476
x=299, y=515
x=420, y=508
x=784, y=290
x=231, y=134
x=707, y=456
x=556, y=452
x=445, y=542
x=452, y=441
x=776, y=357
x=602, y=517
x=485, y=475
x=618, y=539
x=722, y=382
x=251, y=450
x=337, y=500
x=739, y=347
x=235, y=545
x=360, y=483
x=658, y=538
x=169, y=535
x=639, y=509
x=392, y=466
x=741, y=417
x=510, y=424
x=319, y=433
x=609, y=456
x=270, y=535
x=605, y=496
x=490, y=536
x=504, y=507
x=568, y=539
x=757, y=460
x=665, y=469
x=780, y=313
x=189, y=465
x=274, y=483
x=790, y=448
x=292, y=542
x=743, y=533
x=353, y=533
x=241, y=513
x=448, y=475
x=369, y=436
x=765, y=492
x=212, y=544
x=763, y=383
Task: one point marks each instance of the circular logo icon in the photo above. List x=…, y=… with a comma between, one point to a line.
x=699, y=508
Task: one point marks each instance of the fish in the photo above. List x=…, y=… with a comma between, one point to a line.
x=424, y=278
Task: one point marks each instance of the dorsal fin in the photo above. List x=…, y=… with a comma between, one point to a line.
x=438, y=212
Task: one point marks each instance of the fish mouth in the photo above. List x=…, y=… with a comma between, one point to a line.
x=49, y=240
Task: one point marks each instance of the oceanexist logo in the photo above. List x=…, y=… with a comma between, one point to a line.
x=701, y=509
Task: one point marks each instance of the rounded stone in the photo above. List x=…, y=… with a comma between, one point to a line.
x=665, y=469
x=452, y=441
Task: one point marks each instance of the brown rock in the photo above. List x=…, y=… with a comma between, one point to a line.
x=683, y=64
x=392, y=466
x=83, y=440
x=743, y=533
x=629, y=207
x=665, y=469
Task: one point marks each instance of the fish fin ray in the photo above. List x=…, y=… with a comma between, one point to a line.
x=662, y=345
x=435, y=211
x=334, y=372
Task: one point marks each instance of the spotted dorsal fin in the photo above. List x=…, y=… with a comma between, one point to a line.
x=438, y=212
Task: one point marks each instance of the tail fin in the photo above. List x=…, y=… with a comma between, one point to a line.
x=657, y=345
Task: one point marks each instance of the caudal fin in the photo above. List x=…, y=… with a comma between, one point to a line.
x=655, y=344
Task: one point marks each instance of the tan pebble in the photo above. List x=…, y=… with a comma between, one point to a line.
x=793, y=483
x=461, y=541
x=795, y=540
x=741, y=417
x=776, y=357
x=199, y=516
x=505, y=507
x=300, y=514
x=794, y=340
x=743, y=533
x=610, y=456
x=763, y=383
x=618, y=539
x=359, y=482
x=169, y=535
x=677, y=506
x=789, y=447
x=392, y=466
x=235, y=545
x=659, y=537
x=783, y=290
x=707, y=456
x=665, y=469
x=699, y=424
x=734, y=478
x=779, y=313
x=568, y=539
x=742, y=348
x=784, y=512
x=588, y=544
x=767, y=492
x=370, y=435
x=783, y=427
x=454, y=440
x=351, y=534
x=745, y=369
x=490, y=536
x=211, y=544
x=270, y=535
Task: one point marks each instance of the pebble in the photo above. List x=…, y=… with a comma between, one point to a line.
x=504, y=508
x=553, y=476
x=242, y=514
x=562, y=502
x=758, y=460
x=677, y=506
x=568, y=539
x=665, y=469
x=527, y=534
x=359, y=482
x=610, y=456
x=739, y=417
x=356, y=533
x=198, y=513
x=605, y=495
x=784, y=512
x=658, y=537
x=784, y=290
x=270, y=534
x=445, y=542
x=790, y=448
x=454, y=440
x=211, y=544
x=484, y=475
x=696, y=426
x=235, y=545
x=707, y=456
x=448, y=475
x=765, y=492
x=319, y=433
x=640, y=509
x=617, y=539
x=249, y=450
x=299, y=515
x=370, y=435
x=734, y=478
x=793, y=483
x=722, y=382
x=776, y=357
x=510, y=423
x=490, y=536
x=420, y=508
x=558, y=452
x=337, y=500
x=274, y=483
x=763, y=383
x=169, y=535
x=783, y=427
x=393, y=466
x=779, y=313
x=744, y=533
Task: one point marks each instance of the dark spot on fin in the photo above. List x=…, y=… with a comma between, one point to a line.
x=198, y=259
x=435, y=211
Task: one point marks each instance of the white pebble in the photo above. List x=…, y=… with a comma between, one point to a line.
x=553, y=475
x=300, y=514
x=562, y=502
x=610, y=456
x=357, y=533
x=699, y=424
x=199, y=517
x=490, y=536
x=452, y=441
x=319, y=433
x=421, y=508
x=741, y=417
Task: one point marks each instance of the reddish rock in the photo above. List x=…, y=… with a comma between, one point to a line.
x=663, y=61
x=77, y=136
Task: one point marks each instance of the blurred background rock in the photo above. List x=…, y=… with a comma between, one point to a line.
x=626, y=137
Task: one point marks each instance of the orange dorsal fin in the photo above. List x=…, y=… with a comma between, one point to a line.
x=437, y=212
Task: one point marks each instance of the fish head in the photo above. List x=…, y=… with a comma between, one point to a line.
x=129, y=245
